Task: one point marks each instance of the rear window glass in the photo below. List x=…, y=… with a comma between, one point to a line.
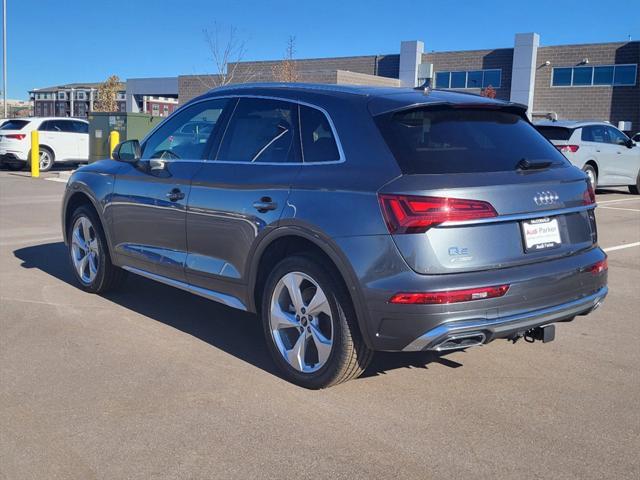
x=14, y=125
x=428, y=140
x=555, y=133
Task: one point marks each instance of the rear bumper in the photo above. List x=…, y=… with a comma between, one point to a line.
x=505, y=327
x=539, y=293
x=11, y=157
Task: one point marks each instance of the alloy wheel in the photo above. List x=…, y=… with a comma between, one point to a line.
x=301, y=322
x=45, y=160
x=85, y=250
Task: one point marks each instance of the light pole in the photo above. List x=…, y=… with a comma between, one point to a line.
x=4, y=56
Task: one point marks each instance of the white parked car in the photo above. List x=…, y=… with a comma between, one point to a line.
x=604, y=153
x=61, y=140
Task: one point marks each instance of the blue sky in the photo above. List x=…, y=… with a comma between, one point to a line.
x=54, y=42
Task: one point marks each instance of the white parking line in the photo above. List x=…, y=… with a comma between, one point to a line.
x=621, y=247
x=619, y=208
x=56, y=179
x=620, y=200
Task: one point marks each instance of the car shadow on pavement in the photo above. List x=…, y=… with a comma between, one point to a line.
x=235, y=332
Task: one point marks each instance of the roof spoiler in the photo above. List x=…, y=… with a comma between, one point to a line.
x=513, y=107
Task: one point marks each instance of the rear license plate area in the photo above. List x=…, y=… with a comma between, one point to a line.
x=540, y=234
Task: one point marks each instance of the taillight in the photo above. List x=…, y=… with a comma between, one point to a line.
x=412, y=214
x=568, y=148
x=451, y=296
x=598, y=267
x=589, y=195
x=16, y=136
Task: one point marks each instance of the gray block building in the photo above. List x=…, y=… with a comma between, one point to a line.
x=575, y=82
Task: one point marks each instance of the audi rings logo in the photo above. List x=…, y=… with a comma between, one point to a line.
x=546, y=198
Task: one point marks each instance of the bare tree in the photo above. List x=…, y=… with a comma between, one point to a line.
x=287, y=69
x=107, y=100
x=226, y=54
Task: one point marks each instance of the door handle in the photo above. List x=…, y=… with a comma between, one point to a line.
x=265, y=204
x=175, y=194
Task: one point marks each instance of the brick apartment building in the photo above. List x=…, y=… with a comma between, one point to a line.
x=155, y=96
x=576, y=82
x=70, y=100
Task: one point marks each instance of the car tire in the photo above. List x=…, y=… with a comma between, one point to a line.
x=591, y=174
x=87, y=241
x=635, y=189
x=47, y=159
x=312, y=333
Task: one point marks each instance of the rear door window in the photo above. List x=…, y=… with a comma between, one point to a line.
x=595, y=133
x=446, y=140
x=66, y=126
x=261, y=131
x=318, y=142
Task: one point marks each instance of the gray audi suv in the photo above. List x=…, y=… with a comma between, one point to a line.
x=350, y=219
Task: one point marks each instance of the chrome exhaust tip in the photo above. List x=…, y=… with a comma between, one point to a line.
x=457, y=342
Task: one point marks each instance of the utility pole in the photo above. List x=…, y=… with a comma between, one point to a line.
x=4, y=56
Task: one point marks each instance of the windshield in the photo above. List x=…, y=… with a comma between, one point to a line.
x=447, y=140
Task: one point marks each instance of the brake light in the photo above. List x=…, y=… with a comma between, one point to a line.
x=568, y=148
x=16, y=136
x=589, y=195
x=412, y=214
x=451, y=296
x=599, y=267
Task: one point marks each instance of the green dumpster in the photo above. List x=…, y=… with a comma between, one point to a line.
x=129, y=125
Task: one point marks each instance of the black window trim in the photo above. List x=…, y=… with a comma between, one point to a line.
x=226, y=123
x=266, y=97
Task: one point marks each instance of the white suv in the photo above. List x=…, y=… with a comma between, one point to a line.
x=604, y=153
x=61, y=140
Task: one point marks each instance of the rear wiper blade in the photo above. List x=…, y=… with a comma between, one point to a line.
x=525, y=164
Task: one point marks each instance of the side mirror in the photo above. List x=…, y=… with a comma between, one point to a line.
x=630, y=143
x=128, y=151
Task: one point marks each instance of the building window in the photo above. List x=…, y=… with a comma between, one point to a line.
x=602, y=75
x=469, y=79
x=81, y=96
x=62, y=95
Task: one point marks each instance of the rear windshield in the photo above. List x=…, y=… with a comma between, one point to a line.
x=446, y=140
x=555, y=133
x=14, y=125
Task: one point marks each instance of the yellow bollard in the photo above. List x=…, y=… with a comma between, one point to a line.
x=35, y=154
x=114, y=139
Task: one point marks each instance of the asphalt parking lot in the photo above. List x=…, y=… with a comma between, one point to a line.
x=152, y=382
